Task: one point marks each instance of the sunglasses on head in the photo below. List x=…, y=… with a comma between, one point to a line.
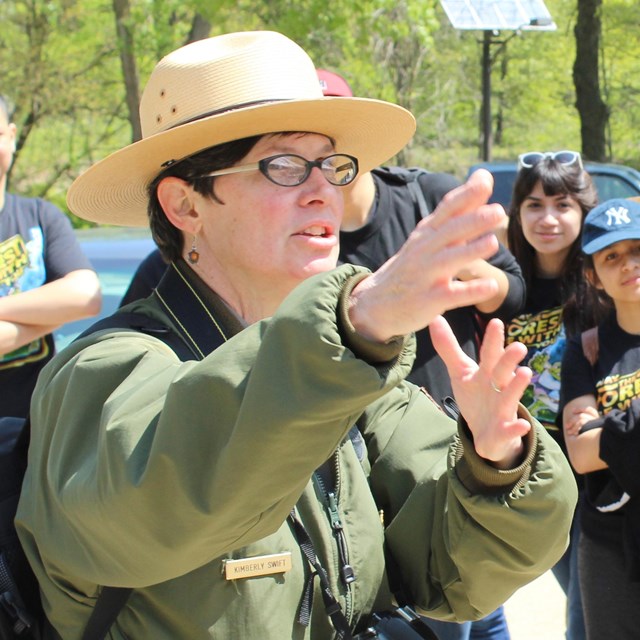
x=531, y=159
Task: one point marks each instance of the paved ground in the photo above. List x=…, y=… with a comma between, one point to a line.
x=537, y=611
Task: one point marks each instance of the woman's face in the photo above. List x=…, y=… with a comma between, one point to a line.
x=550, y=224
x=269, y=236
x=617, y=269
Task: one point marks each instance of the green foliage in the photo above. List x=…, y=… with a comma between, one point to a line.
x=61, y=68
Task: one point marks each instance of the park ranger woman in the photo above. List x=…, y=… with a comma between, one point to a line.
x=202, y=484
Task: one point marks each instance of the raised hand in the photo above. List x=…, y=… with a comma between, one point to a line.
x=488, y=392
x=420, y=281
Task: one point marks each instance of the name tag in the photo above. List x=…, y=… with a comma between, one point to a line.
x=257, y=566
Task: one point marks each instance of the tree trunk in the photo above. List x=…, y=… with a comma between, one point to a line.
x=121, y=9
x=593, y=112
x=200, y=28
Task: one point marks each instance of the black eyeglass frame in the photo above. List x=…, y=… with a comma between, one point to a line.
x=566, y=157
x=263, y=167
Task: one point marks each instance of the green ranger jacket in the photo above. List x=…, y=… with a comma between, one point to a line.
x=177, y=479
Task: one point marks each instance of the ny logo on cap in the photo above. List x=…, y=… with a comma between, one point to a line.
x=617, y=215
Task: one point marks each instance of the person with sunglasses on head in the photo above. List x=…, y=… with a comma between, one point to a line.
x=283, y=481
x=601, y=411
x=552, y=194
x=46, y=281
x=381, y=208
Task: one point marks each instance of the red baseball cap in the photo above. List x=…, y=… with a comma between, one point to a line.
x=334, y=85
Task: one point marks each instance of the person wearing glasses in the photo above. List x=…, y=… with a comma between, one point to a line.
x=552, y=194
x=284, y=480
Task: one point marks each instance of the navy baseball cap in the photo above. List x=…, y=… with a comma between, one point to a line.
x=610, y=222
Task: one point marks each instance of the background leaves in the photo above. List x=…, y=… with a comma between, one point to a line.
x=61, y=68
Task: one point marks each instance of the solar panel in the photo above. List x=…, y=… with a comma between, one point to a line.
x=498, y=15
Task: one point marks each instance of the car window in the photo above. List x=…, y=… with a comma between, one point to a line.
x=502, y=187
x=115, y=255
x=610, y=186
x=611, y=181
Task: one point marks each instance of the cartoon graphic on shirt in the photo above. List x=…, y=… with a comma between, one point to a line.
x=22, y=268
x=544, y=336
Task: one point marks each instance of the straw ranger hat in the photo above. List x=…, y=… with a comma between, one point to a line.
x=222, y=89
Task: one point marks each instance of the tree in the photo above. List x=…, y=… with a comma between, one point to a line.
x=125, y=29
x=73, y=69
x=594, y=113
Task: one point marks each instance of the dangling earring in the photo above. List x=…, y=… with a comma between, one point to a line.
x=193, y=256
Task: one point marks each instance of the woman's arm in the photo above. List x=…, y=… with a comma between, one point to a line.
x=583, y=447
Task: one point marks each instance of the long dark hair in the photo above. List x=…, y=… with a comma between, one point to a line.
x=556, y=179
x=598, y=301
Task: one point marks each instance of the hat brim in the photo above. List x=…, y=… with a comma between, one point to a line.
x=114, y=190
x=606, y=240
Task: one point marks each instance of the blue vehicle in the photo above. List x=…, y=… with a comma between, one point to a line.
x=115, y=254
x=611, y=180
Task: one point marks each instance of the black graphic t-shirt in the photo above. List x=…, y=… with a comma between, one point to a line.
x=539, y=327
x=615, y=383
x=37, y=245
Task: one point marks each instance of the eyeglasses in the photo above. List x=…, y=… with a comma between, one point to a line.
x=531, y=159
x=290, y=170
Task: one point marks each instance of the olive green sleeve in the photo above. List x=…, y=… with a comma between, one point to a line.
x=145, y=467
x=463, y=534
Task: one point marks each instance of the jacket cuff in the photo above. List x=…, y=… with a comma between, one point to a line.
x=478, y=475
x=368, y=350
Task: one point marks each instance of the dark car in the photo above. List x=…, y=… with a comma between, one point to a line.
x=115, y=254
x=611, y=180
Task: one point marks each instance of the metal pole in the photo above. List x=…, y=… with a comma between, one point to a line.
x=486, y=97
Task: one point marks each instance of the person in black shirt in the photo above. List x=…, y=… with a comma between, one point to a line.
x=382, y=208
x=46, y=281
x=600, y=399
x=551, y=197
x=146, y=278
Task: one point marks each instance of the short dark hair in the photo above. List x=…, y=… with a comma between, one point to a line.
x=166, y=236
x=556, y=179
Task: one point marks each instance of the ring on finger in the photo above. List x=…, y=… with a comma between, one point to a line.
x=494, y=386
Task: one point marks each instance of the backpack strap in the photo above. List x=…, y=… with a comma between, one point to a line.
x=109, y=604
x=417, y=194
x=409, y=176
x=193, y=340
x=590, y=345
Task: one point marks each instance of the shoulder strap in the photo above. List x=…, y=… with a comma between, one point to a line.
x=109, y=604
x=193, y=341
x=417, y=195
x=144, y=324
x=590, y=345
x=331, y=605
x=408, y=176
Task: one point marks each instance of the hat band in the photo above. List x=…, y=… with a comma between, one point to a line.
x=215, y=112
x=234, y=107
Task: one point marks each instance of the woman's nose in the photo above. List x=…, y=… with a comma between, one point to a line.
x=549, y=214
